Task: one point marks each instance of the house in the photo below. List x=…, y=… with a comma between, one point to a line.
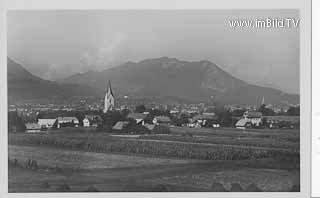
x=243, y=123
x=120, y=125
x=161, y=120
x=150, y=126
x=47, y=123
x=92, y=120
x=254, y=117
x=174, y=111
x=67, y=122
x=32, y=127
x=138, y=117
x=205, y=120
x=209, y=113
x=216, y=125
x=282, y=121
x=86, y=122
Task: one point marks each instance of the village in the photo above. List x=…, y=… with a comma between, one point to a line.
x=188, y=145
x=115, y=117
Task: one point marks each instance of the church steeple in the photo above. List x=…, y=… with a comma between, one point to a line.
x=262, y=102
x=109, y=99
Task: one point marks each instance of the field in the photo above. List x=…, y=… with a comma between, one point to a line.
x=185, y=160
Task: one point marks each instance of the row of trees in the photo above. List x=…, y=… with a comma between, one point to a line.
x=15, y=122
x=292, y=111
x=224, y=117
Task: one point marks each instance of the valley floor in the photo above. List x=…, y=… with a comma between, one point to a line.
x=113, y=172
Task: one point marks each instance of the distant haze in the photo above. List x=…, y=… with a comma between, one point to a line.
x=57, y=44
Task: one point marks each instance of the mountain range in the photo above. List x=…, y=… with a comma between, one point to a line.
x=150, y=78
x=22, y=85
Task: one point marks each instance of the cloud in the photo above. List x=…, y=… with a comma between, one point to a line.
x=55, y=71
x=111, y=48
x=110, y=52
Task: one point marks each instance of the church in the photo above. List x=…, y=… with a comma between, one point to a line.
x=108, y=99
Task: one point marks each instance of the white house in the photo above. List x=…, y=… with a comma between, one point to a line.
x=67, y=121
x=32, y=127
x=47, y=123
x=243, y=123
x=92, y=120
x=254, y=117
x=86, y=122
x=138, y=117
x=120, y=125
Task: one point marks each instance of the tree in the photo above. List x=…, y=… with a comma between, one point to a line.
x=111, y=118
x=293, y=111
x=158, y=112
x=140, y=109
x=125, y=112
x=180, y=120
x=15, y=123
x=225, y=118
x=238, y=112
x=264, y=122
x=266, y=111
x=135, y=129
x=80, y=116
x=161, y=130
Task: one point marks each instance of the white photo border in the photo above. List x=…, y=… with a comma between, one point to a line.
x=304, y=7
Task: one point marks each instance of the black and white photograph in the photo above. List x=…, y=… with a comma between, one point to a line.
x=147, y=100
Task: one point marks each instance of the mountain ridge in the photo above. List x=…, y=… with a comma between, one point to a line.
x=196, y=80
x=24, y=85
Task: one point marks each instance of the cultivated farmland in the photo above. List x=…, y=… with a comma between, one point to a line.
x=185, y=160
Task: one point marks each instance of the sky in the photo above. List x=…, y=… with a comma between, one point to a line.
x=56, y=44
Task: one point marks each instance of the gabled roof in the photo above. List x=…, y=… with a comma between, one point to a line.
x=283, y=118
x=253, y=114
x=242, y=122
x=204, y=117
x=68, y=119
x=162, y=119
x=46, y=121
x=30, y=126
x=93, y=117
x=137, y=116
x=120, y=125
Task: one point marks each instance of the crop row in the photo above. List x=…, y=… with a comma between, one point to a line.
x=257, y=142
x=168, y=149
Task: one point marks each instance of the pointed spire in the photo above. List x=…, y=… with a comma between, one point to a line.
x=109, y=87
x=262, y=102
x=109, y=99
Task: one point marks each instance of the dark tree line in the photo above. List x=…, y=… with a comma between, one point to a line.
x=15, y=122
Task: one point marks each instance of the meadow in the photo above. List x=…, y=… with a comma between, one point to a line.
x=184, y=160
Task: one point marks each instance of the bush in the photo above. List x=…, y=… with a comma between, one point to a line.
x=253, y=188
x=45, y=185
x=295, y=188
x=14, y=163
x=92, y=189
x=63, y=188
x=235, y=187
x=136, y=129
x=161, y=130
x=160, y=188
x=218, y=187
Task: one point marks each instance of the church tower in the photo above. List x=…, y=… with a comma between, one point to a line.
x=262, y=102
x=109, y=99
